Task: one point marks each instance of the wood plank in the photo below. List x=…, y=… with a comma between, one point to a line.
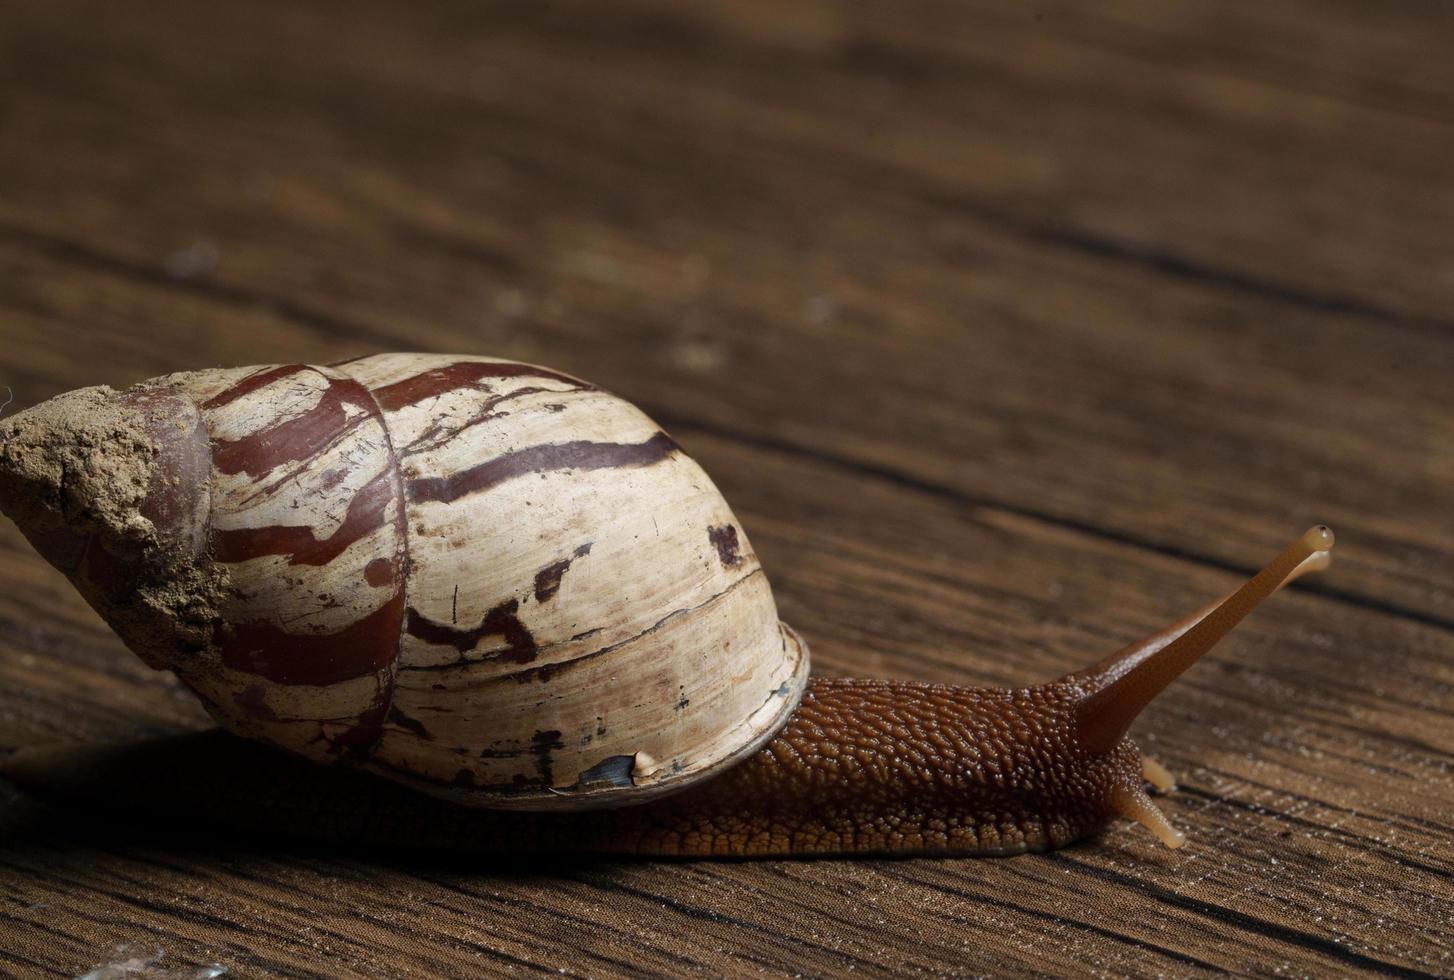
x=1297, y=811
x=1009, y=335
x=573, y=234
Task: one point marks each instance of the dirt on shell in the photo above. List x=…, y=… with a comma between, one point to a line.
x=81, y=461
x=75, y=475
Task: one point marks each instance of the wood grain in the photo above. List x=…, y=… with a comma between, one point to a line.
x=1010, y=334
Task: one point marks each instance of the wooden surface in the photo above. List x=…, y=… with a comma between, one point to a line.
x=1010, y=334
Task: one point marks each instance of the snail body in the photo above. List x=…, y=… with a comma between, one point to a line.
x=502, y=587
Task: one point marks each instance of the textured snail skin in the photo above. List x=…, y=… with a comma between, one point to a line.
x=880, y=767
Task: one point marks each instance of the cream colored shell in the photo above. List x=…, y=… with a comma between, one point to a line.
x=490, y=581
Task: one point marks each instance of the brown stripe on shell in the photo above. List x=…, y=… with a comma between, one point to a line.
x=438, y=433
x=542, y=744
x=724, y=539
x=460, y=374
x=357, y=742
x=398, y=718
x=301, y=437
x=540, y=459
x=547, y=580
x=301, y=543
x=379, y=572
x=253, y=382
x=270, y=652
x=500, y=621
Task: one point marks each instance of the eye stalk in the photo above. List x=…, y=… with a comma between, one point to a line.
x=1127, y=681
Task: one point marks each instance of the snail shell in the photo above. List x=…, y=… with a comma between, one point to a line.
x=490, y=581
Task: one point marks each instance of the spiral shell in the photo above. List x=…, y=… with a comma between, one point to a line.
x=488, y=580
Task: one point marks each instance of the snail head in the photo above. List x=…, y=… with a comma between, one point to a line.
x=1113, y=692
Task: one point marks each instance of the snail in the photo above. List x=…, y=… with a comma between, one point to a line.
x=507, y=589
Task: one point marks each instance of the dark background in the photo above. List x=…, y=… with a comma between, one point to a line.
x=1011, y=333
